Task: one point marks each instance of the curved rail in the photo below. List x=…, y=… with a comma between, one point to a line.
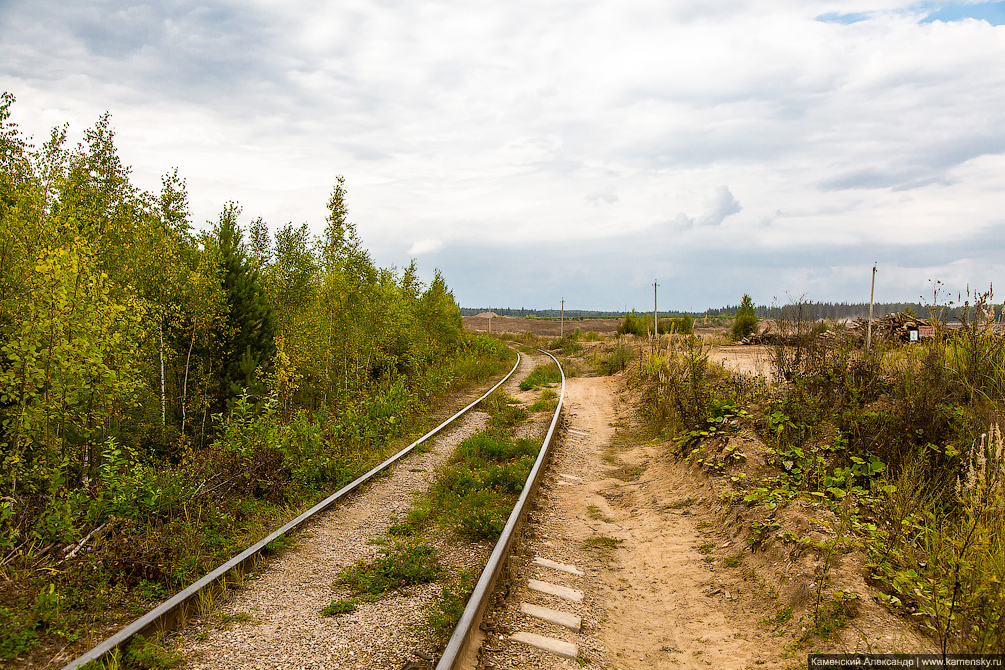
x=460, y=640
x=168, y=613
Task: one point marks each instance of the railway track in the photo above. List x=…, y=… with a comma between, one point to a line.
x=328, y=540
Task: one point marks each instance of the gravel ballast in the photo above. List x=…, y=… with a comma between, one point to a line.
x=275, y=620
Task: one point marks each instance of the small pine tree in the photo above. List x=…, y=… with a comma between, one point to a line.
x=745, y=322
x=248, y=338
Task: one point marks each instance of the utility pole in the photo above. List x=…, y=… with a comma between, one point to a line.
x=562, y=320
x=656, y=318
x=872, y=293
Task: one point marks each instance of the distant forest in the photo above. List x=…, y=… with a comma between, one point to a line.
x=814, y=310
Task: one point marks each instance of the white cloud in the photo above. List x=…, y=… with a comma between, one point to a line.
x=425, y=247
x=718, y=206
x=600, y=197
x=509, y=125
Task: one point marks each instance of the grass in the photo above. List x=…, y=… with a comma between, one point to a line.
x=475, y=493
x=504, y=411
x=398, y=567
x=152, y=652
x=602, y=542
x=446, y=610
x=615, y=359
x=542, y=375
x=546, y=402
x=782, y=617
x=278, y=545
x=340, y=607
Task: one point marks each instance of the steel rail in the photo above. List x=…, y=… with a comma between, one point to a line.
x=461, y=639
x=164, y=616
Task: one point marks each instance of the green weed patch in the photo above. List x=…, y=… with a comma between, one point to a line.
x=476, y=492
x=546, y=402
x=542, y=375
x=400, y=566
x=340, y=607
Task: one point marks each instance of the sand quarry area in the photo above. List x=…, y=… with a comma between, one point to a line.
x=539, y=327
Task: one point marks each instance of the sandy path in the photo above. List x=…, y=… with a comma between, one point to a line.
x=645, y=586
x=555, y=529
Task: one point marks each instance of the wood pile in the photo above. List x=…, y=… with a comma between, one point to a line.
x=897, y=326
x=766, y=336
x=770, y=337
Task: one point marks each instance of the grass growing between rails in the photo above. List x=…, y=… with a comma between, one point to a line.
x=546, y=402
x=504, y=411
x=105, y=552
x=471, y=499
x=900, y=447
x=449, y=606
x=475, y=494
x=399, y=566
x=542, y=375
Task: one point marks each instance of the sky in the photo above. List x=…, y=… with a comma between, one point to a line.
x=575, y=150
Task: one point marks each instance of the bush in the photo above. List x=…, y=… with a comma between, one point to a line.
x=483, y=516
x=679, y=325
x=745, y=321
x=615, y=359
x=635, y=324
x=642, y=325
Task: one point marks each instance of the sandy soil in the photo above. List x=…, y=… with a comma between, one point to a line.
x=541, y=327
x=747, y=360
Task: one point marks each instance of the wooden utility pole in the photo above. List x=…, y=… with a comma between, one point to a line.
x=656, y=318
x=872, y=293
x=562, y=320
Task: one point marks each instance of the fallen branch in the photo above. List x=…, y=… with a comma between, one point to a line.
x=80, y=544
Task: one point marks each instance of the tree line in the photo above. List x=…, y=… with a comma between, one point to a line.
x=830, y=310
x=119, y=322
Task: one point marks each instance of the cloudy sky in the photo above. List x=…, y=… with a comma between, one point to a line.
x=573, y=149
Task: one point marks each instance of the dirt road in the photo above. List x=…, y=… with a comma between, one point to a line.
x=623, y=515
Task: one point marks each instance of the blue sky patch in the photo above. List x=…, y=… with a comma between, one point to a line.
x=854, y=17
x=992, y=12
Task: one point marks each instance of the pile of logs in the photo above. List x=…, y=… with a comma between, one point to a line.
x=896, y=326
x=767, y=336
